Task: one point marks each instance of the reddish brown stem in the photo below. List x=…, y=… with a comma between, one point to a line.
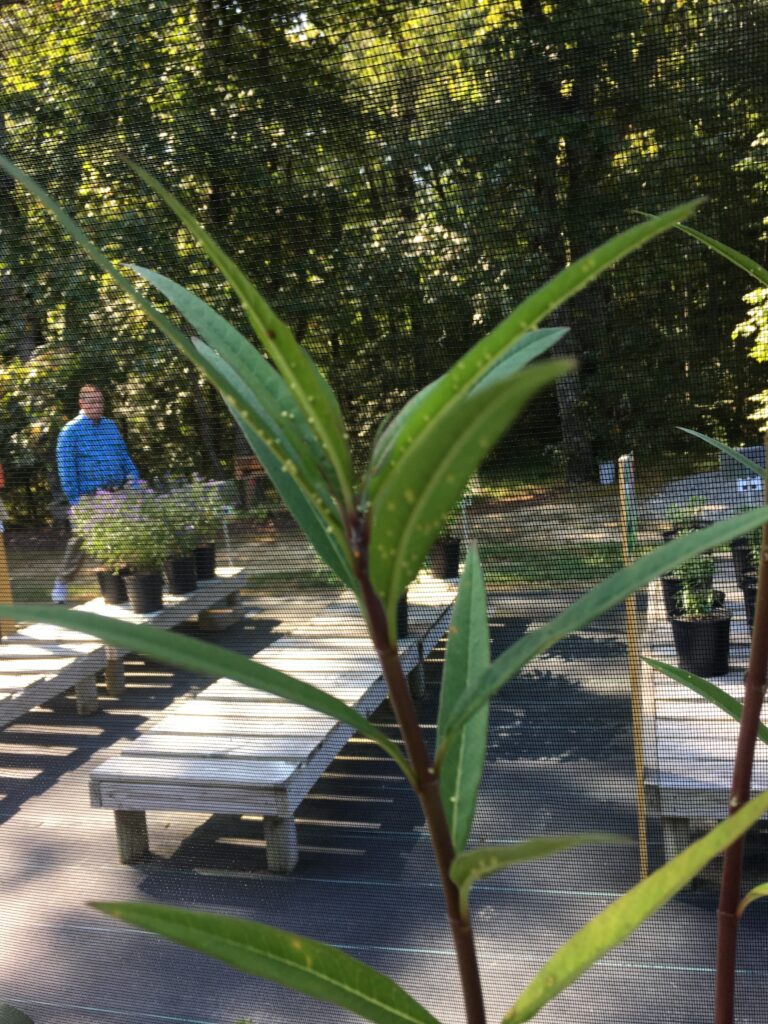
x=730, y=885
x=428, y=792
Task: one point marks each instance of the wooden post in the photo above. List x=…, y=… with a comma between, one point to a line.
x=628, y=514
x=6, y=596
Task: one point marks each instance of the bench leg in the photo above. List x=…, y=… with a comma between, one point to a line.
x=132, y=836
x=677, y=836
x=86, y=697
x=114, y=673
x=221, y=617
x=417, y=680
x=282, y=844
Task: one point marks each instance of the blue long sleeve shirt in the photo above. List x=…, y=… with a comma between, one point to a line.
x=92, y=455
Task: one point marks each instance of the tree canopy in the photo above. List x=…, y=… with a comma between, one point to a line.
x=395, y=177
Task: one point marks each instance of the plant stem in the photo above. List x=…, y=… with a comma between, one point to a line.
x=730, y=884
x=428, y=791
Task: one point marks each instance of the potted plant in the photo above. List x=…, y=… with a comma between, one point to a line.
x=93, y=521
x=208, y=511
x=179, y=511
x=446, y=555
x=700, y=624
x=128, y=532
x=685, y=517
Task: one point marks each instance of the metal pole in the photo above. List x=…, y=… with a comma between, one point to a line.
x=628, y=541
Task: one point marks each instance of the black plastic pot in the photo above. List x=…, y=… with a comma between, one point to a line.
x=112, y=587
x=181, y=573
x=702, y=645
x=749, y=590
x=205, y=561
x=145, y=591
x=402, y=617
x=741, y=551
x=446, y=555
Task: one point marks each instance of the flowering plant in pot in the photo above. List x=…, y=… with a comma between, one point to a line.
x=93, y=521
x=700, y=623
x=127, y=531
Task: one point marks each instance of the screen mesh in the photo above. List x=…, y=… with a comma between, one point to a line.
x=395, y=178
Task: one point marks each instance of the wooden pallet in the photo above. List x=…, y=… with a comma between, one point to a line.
x=40, y=662
x=236, y=750
x=689, y=744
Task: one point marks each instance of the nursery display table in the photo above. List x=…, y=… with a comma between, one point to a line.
x=689, y=744
x=236, y=750
x=39, y=662
x=214, y=603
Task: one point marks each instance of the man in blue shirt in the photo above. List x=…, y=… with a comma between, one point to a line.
x=91, y=455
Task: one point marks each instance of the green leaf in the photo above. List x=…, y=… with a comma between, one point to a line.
x=757, y=893
x=197, y=656
x=407, y=512
x=10, y=1015
x=525, y=350
x=467, y=654
x=752, y=267
x=307, y=384
x=299, y=963
x=316, y=517
x=426, y=414
x=753, y=467
x=234, y=397
x=600, y=599
x=468, y=868
x=704, y=688
x=627, y=913
x=255, y=373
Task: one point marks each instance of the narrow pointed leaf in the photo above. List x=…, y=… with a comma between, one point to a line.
x=753, y=467
x=706, y=689
x=208, y=367
x=10, y=1015
x=407, y=513
x=197, y=656
x=470, y=867
x=759, y=892
x=309, y=505
x=518, y=357
x=427, y=414
x=600, y=599
x=305, y=380
x=302, y=964
x=259, y=376
x=467, y=654
x=752, y=267
x=627, y=913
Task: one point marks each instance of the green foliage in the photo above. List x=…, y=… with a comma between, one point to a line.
x=696, y=598
x=467, y=655
x=381, y=529
x=10, y=1015
x=307, y=966
x=625, y=914
x=133, y=528
x=686, y=516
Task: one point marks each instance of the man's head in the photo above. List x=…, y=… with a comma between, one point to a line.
x=92, y=402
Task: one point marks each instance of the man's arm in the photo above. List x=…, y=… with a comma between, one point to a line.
x=67, y=466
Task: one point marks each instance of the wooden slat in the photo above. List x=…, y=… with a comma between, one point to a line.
x=219, y=726
x=286, y=748
x=208, y=771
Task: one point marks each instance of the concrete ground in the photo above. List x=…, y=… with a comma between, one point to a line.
x=559, y=760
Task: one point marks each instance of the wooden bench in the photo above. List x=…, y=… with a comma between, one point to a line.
x=689, y=743
x=236, y=750
x=39, y=662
